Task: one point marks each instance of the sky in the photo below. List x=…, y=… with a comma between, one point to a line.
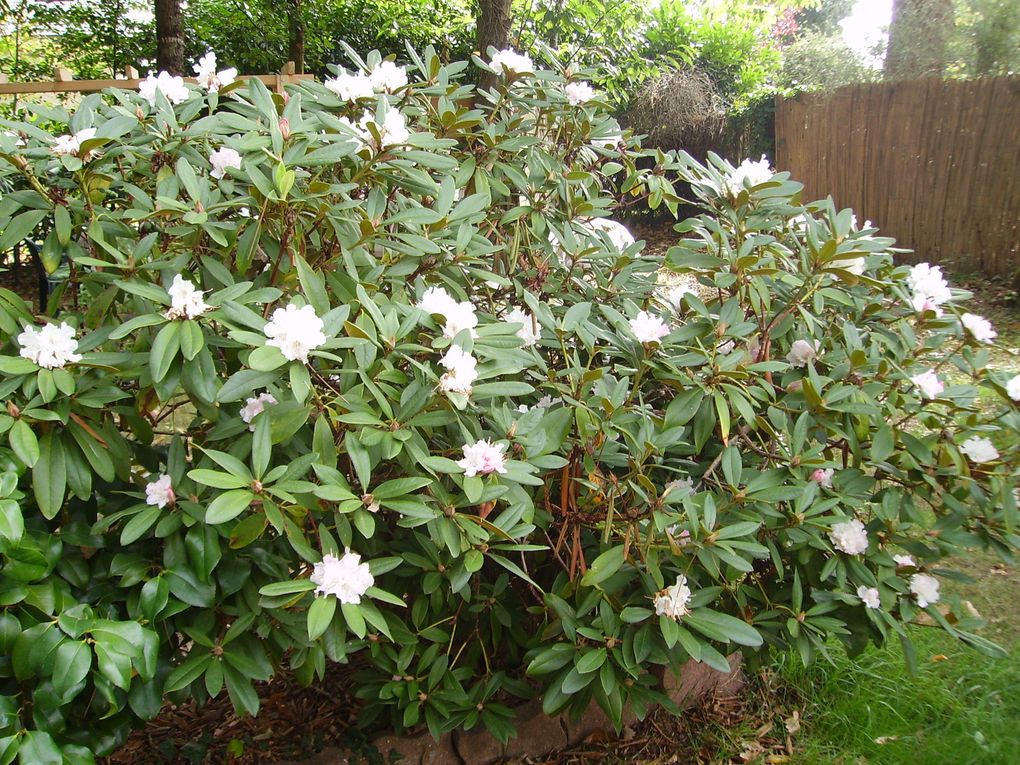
x=866, y=27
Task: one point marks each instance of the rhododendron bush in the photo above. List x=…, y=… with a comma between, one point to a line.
x=373, y=374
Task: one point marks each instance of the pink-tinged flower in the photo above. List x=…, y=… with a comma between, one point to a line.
x=925, y=588
x=71, y=144
x=648, y=328
x=346, y=578
x=927, y=281
x=209, y=78
x=172, y=88
x=295, y=331
x=922, y=303
x=223, y=158
x=823, y=477
x=255, y=406
x=1013, y=388
x=578, y=93
x=869, y=596
x=350, y=87
x=849, y=537
x=388, y=76
x=672, y=602
x=980, y=449
x=186, y=302
x=160, y=492
x=928, y=383
x=530, y=331
x=904, y=560
x=512, y=61
x=51, y=347
x=483, y=457
x=980, y=328
x=462, y=372
x=801, y=352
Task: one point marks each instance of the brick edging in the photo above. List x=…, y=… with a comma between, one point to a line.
x=537, y=733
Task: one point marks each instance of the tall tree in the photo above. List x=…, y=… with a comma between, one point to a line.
x=493, y=29
x=917, y=38
x=169, y=36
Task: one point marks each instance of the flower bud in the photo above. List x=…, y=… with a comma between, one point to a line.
x=285, y=128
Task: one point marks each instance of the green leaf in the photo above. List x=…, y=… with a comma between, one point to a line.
x=603, y=567
x=12, y=522
x=192, y=339
x=229, y=505
x=320, y=615
x=591, y=661
x=24, y=443
x=287, y=588
x=723, y=627
x=188, y=672
x=266, y=359
x=164, y=350
x=39, y=748
x=73, y=662
x=20, y=227
x=354, y=619
x=49, y=476
x=217, y=479
x=313, y=285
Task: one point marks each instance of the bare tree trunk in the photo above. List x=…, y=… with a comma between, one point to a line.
x=493, y=29
x=917, y=38
x=169, y=36
x=296, y=48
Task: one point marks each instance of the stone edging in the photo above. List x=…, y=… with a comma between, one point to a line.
x=537, y=734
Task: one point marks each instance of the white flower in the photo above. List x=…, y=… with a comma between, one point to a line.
x=801, y=352
x=483, y=457
x=904, y=560
x=754, y=173
x=608, y=141
x=531, y=331
x=925, y=588
x=578, y=93
x=255, y=406
x=185, y=301
x=869, y=596
x=359, y=133
x=618, y=234
x=436, y=300
x=853, y=265
x=929, y=383
x=459, y=316
x=388, y=76
x=979, y=327
x=295, y=331
x=50, y=347
x=927, y=281
x=392, y=131
x=1013, y=388
x=543, y=403
x=244, y=212
x=209, y=78
x=683, y=487
x=347, y=578
x=726, y=348
x=223, y=158
x=71, y=144
x=823, y=477
x=648, y=328
x=371, y=503
x=350, y=87
x=849, y=537
x=980, y=449
x=672, y=601
x=511, y=60
x=673, y=296
x=159, y=492
x=172, y=88
x=922, y=303
x=462, y=371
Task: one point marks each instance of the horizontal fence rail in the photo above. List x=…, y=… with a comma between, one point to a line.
x=934, y=163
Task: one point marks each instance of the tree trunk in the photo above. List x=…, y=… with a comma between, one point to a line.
x=169, y=36
x=917, y=38
x=296, y=48
x=493, y=29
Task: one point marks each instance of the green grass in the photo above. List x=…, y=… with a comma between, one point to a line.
x=961, y=708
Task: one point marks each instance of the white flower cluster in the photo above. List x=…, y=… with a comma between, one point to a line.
x=578, y=93
x=980, y=449
x=172, y=88
x=928, y=383
x=512, y=61
x=904, y=560
x=295, y=331
x=1013, y=388
x=209, y=78
x=223, y=158
x=160, y=492
x=385, y=76
x=749, y=173
x=545, y=402
x=925, y=588
x=929, y=287
x=254, y=406
x=346, y=578
x=802, y=352
x=458, y=315
x=618, y=234
x=461, y=371
x=71, y=144
x=869, y=596
x=186, y=302
x=50, y=347
x=849, y=537
x=530, y=331
x=980, y=328
x=672, y=602
x=483, y=457
x=648, y=328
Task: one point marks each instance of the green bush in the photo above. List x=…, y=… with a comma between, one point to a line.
x=392, y=351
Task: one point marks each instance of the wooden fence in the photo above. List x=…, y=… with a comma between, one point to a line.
x=933, y=163
x=63, y=82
